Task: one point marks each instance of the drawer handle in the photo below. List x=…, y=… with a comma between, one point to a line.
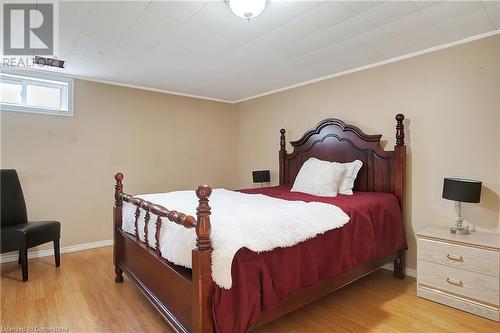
x=457, y=283
x=455, y=258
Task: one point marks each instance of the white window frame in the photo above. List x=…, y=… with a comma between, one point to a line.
x=52, y=80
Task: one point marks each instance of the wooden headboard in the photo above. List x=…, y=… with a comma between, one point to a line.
x=335, y=141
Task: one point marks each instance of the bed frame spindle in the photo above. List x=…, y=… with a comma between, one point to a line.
x=282, y=156
x=117, y=218
x=400, y=130
x=202, y=265
x=136, y=222
x=157, y=235
x=146, y=222
x=399, y=186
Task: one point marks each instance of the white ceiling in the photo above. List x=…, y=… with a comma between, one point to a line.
x=201, y=48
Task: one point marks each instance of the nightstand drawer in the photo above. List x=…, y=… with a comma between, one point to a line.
x=478, y=260
x=474, y=286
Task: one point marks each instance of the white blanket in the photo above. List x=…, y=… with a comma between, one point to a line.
x=255, y=221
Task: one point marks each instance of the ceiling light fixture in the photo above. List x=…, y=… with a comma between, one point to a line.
x=247, y=9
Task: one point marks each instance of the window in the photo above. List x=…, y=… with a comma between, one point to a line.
x=44, y=93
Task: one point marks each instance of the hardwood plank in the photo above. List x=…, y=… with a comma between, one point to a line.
x=81, y=296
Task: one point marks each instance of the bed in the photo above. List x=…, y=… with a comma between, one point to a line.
x=190, y=300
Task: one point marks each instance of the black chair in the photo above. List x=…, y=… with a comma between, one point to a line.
x=17, y=233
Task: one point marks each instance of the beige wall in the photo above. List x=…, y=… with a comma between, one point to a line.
x=451, y=101
x=161, y=142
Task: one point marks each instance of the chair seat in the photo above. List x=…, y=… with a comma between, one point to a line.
x=33, y=234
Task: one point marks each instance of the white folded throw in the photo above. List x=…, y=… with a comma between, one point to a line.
x=255, y=221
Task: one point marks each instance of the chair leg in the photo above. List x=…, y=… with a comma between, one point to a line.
x=19, y=259
x=57, y=253
x=23, y=256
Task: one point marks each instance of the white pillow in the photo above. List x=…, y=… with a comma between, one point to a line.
x=347, y=183
x=318, y=177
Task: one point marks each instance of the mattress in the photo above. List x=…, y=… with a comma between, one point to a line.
x=262, y=280
x=238, y=220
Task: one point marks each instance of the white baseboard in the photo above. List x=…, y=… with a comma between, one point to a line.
x=408, y=271
x=13, y=256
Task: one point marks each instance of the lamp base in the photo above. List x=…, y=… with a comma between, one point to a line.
x=460, y=231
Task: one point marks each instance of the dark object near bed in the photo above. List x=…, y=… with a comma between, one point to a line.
x=261, y=176
x=17, y=233
x=184, y=297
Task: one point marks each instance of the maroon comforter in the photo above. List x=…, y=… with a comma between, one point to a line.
x=262, y=280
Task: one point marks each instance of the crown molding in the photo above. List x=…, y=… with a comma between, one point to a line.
x=376, y=64
x=114, y=83
x=163, y=91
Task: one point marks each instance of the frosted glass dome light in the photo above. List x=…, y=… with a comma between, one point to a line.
x=247, y=9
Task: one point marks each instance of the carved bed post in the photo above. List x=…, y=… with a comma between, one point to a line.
x=117, y=217
x=202, y=265
x=282, y=156
x=399, y=185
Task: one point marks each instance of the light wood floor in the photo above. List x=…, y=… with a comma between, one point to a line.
x=81, y=296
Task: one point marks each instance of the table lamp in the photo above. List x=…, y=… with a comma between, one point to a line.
x=461, y=190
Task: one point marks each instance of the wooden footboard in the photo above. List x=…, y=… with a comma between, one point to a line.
x=166, y=285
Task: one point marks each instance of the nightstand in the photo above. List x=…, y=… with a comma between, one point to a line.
x=461, y=271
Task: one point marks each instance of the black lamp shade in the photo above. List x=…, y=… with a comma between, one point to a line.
x=261, y=176
x=463, y=190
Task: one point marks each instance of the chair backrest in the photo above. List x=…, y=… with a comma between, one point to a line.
x=13, y=206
